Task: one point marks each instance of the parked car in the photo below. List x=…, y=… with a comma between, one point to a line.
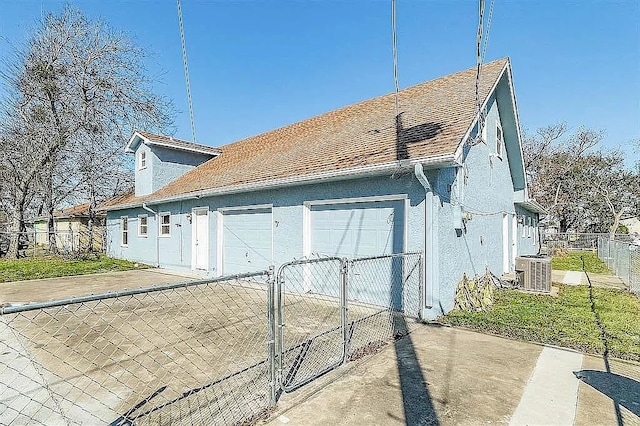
x=23, y=243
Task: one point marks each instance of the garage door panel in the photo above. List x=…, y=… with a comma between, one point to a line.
x=247, y=241
x=357, y=229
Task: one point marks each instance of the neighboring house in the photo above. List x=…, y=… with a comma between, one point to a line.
x=632, y=224
x=357, y=181
x=71, y=227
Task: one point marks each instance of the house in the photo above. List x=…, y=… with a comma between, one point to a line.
x=357, y=181
x=71, y=227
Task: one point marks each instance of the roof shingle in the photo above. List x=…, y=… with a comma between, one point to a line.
x=434, y=117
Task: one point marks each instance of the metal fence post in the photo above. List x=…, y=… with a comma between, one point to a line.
x=271, y=344
x=279, y=282
x=344, y=317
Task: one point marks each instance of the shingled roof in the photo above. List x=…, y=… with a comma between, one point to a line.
x=434, y=119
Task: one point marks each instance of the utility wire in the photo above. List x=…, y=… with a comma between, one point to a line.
x=486, y=37
x=186, y=73
x=395, y=54
x=478, y=70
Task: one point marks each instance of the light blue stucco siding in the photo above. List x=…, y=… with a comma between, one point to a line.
x=288, y=206
x=163, y=166
x=483, y=189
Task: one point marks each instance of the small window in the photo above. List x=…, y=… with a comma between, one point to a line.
x=165, y=224
x=499, y=140
x=143, y=225
x=124, y=230
x=143, y=160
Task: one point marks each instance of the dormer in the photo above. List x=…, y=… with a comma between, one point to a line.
x=159, y=160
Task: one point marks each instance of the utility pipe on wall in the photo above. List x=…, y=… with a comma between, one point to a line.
x=428, y=272
x=144, y=206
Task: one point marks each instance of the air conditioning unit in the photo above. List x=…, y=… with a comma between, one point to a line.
x=534, y=273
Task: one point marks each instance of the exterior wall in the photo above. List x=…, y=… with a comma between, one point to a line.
x=143, y=177
x=169, y=165
x=164, y=165
x=528, y=236
x=175, y=251
x=483, y=187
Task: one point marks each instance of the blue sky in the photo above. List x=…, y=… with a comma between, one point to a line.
x=259, y=65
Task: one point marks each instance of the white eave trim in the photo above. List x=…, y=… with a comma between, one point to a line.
x=214, y=152
x=444, y=160
x=531, y=205
x=463, y=142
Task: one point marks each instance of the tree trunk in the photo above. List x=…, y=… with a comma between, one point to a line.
x=53, y=247
x=91, y=212
x=17, y=224
x=616, y=223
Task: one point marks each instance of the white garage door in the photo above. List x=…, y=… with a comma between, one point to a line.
x=246, y=241
x=357, y=229
x=361, y=230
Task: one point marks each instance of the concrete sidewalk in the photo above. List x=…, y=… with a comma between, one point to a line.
x=580, y=278
x=448, y=376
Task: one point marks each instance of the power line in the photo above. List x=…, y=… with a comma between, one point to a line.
x=479, y=58
x=486, y=37
x=395, y=54
x=186, y=73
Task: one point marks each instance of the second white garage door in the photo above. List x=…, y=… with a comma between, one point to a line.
x=357, y=229
x=246, y=240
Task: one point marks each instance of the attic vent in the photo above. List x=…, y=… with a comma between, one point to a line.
x=534, y=273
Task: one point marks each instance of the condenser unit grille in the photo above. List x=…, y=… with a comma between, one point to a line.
x=536, y=274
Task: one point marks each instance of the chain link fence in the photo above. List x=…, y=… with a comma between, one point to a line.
x=576, y=241
x=215, y=351
x=333, y=310
x=41, y=243
x=623, y=258
x=191, y=353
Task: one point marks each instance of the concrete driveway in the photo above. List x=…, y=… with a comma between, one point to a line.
x=450, y=376
x=80, y=285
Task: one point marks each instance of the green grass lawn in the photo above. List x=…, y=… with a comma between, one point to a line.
x=572, y=261
x=52, y=266
x=566, y=320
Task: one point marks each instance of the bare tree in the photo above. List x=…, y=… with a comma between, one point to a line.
x=78, y=84
x=583, y=189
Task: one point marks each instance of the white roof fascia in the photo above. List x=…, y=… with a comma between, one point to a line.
x=182, y=148
x=467, y=134
x=127, y=148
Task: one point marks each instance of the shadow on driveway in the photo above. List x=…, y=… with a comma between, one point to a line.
x=622, y=390
x=416, y=400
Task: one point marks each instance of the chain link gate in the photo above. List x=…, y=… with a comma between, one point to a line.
x=311, y=320
x=333, y=310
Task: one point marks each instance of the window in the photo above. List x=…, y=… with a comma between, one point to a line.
x=165, y=224
x=499, y=140
x=124, y=230
x=143, y=225
x=143, y=160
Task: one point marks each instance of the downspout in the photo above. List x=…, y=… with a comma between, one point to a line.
x=144, y=206
x=428, y=272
